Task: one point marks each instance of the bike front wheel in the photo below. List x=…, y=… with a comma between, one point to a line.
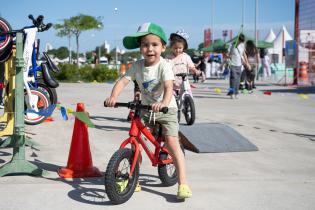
x=119, y=184
x=5, y=40
x=189, y=110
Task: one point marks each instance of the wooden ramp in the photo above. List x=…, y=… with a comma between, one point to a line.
x=213, y=138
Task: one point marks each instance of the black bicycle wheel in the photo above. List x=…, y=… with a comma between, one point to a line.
x=51, y=92
x=119, y=185
x=189, y=110
x=42, y=102
x=6, y=54
x=167, y=172
x=5, y=40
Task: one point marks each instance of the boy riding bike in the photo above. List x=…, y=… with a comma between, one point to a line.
x=155, y=78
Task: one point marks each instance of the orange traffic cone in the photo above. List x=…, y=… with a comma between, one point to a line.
x=79, y=160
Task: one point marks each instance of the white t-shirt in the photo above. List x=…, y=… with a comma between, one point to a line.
x=151, y=80
x=236, y=54
x=181, y=64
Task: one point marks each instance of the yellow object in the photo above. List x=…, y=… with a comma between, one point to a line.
x=138, y=187
x=69, y=110
x=9, y=81
x=217, y=90
x=184, y=191
x=303, y=96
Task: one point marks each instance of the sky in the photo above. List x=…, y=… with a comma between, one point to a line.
x=122, y=17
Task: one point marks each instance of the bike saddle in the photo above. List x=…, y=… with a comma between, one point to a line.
x=48, y=79
x=51, y=64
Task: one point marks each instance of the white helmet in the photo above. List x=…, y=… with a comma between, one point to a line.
x=181, y=33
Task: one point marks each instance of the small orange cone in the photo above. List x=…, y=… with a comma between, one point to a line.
x=49, y=119
x=79, y=161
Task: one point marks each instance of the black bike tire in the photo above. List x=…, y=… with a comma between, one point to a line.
x=42, y=118
x=5, y=55
x=165, y=178
x=52, y=93
x=5, y=27
x=188, y=101
x=110, y=177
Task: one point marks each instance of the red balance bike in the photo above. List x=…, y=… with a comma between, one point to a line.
x=122, y=172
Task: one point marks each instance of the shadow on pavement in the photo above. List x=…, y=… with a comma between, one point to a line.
x=93, y=196
x=96, y=196
x=148, y=180
x=298, y=90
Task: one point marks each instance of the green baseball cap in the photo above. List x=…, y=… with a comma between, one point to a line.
x=132, y=41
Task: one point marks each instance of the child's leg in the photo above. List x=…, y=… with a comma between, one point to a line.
x=172, y=144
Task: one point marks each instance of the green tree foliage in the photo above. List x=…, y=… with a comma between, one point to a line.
x=71, y=73
x=61, y=52
x=75, y=25
x=64, y=30
x=82, y=23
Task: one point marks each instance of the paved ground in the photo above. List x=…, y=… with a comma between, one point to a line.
x=278, y=176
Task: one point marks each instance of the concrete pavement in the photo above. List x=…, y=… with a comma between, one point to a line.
x=278, y=176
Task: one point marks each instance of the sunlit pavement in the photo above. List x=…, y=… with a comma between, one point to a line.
x=278, y=120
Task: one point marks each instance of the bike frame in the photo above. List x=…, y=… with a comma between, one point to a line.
x=183, y=91
x=136, y=129
x=32, y=72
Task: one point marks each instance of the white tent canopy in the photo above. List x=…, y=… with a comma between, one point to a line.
x=279, y=43
x=270, y=36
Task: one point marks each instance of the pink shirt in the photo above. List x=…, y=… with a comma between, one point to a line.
x=181, y=64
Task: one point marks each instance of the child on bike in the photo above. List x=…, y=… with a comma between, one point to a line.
x=181, y=61
x=155, y=78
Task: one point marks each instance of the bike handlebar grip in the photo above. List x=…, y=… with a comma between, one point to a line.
x=31, y=17
x=47, y=26
x=39, y=20
x=164, y=110
x=122, y=104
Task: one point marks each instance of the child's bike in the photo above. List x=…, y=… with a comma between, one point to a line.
x=184, y=100
x=39, y=88
x=122, y=172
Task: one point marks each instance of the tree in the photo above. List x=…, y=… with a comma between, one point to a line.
x=83, y=23
x=61, y=52
x=65, y=30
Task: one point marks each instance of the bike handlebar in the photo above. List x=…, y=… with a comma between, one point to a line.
x=137, y=105
x=38, y=23
x=183, y=75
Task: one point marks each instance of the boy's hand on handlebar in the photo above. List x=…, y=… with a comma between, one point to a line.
x=110, y=102
x=156, y=107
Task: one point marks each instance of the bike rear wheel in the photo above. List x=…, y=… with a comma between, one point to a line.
x=43, y=102
x=51, y=92
x=119, y=185
x=167, y=172
x=189, y=110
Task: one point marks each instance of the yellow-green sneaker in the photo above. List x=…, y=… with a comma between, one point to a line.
x=184, y=191
x=121, y=185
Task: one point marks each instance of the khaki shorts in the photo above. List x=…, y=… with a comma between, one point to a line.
x=168, y=121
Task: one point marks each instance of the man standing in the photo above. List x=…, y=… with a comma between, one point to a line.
x=237, y=59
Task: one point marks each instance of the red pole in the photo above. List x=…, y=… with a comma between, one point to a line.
x=296, y=38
